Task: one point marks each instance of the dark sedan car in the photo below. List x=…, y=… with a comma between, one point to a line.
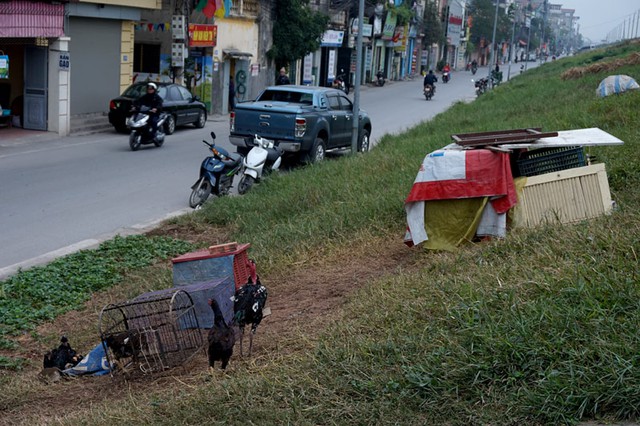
x=183, y=107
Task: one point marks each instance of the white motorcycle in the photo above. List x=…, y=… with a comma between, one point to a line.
x=265, y=157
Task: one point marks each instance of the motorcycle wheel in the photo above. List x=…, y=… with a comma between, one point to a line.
x=245, y=184
x=134, y=141
x=157, y=142
x=200, y=193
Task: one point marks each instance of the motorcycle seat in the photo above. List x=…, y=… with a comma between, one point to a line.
x=234, y=158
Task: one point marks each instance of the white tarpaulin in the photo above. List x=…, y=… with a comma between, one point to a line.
x=615, y=84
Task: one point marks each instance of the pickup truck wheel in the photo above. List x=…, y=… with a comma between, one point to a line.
x=365, y=141
x=317, y=152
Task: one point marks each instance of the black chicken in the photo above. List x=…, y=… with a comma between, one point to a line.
x=249, y=302
x=62, y=357
x=221, y=338
x=124, y=344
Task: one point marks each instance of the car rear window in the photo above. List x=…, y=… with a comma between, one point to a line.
x=286, y=96
x=137, y=90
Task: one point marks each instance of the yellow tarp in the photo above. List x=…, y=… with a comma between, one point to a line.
x=450, y=222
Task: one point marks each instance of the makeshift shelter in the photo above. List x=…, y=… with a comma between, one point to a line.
x=485, y=182
x=616, y=84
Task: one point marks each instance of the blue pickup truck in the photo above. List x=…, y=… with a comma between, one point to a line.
x=304, y=121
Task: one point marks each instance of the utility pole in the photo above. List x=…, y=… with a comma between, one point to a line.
x=356, y=95
x=526, y=59
x=493, y=39
x=513, y=34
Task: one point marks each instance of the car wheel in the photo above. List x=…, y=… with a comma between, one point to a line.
x=317, y=152
x=201, y=121
x=169, y=125
x=364, y=145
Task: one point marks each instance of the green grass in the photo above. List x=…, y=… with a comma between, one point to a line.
x=42, y=293
x=538, y=328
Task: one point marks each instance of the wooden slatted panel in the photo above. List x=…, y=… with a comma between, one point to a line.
x=566, y=196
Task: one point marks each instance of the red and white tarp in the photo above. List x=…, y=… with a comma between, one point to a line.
x=454, y=174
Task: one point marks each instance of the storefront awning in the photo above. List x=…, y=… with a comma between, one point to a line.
x=237, y=54
x=20, y=18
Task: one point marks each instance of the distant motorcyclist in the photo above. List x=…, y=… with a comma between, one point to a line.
x=474, y=66
x=446, y=68
x=153, y=101
x=430, y=80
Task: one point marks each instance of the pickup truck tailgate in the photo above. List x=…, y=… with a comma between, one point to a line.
x=268, y=119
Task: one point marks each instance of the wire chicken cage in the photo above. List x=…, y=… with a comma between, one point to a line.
x=152, y=333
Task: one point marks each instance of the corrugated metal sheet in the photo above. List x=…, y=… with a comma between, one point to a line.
x=20, y=18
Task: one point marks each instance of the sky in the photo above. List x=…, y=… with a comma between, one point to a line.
x=599, y=17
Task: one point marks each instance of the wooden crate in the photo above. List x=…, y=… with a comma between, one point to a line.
x=565, y=196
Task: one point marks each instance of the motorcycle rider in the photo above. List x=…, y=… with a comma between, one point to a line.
x=283, y=78
x=153, y=101
x=446, y=73
x=430, y=80
x=380, y=76
x=474, y=65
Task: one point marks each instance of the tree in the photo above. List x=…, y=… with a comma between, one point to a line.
x=297, y=31
x=432, y=27
x=482, y=13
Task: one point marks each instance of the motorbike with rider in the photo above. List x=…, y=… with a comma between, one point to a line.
x=446, y=73
x=147, y=116
x=429, y=85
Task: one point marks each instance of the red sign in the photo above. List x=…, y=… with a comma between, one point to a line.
x=203, y=35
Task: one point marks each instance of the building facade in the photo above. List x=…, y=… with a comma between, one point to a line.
x=64, y=59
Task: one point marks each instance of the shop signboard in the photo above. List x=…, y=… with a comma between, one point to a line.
x=307, y=70
x=332, y=38
x=4, y=66
x=389, y=26
x=203, y=35
x=454, y=26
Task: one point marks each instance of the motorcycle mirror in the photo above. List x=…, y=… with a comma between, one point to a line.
x=213, y=135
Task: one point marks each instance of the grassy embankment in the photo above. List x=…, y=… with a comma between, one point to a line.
x=539, y=328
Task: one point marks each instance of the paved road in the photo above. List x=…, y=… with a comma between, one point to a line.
x=64, y=194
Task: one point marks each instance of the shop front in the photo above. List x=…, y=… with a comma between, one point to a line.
x=32, y=53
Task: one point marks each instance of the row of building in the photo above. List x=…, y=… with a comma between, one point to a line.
x=61, y=59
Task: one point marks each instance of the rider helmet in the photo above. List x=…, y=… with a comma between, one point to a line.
x=152, y=86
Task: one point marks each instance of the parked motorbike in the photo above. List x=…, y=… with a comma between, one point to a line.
x=140, y=124
x=216, y=174
x=264, y=157
x=481, y=85
x=445, y=77
x=429, y=91
x=380, y=79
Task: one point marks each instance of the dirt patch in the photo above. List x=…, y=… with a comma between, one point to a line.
x=304, y=297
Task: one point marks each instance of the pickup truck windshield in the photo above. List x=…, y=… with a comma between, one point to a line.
x=286, y=96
